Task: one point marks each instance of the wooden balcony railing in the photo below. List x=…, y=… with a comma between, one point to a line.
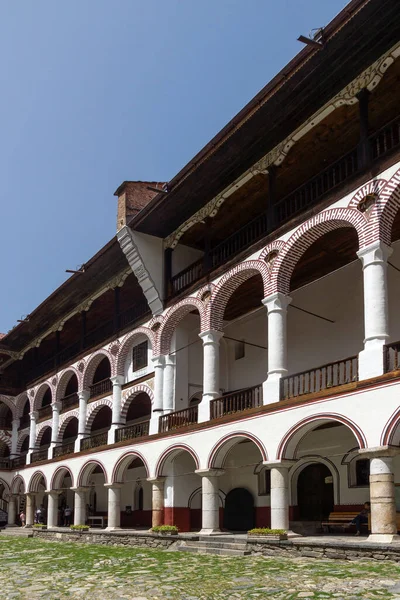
x=45, y=412
x=236, y=402
x=68, y=353
x=133, y=313
x=101, y=387
x=40, y=454
x=5, y=463
x=187, y=276
x=64, y=450
x=70, y=401
x=99, y=334
x=321, y=378
x=131, y=432
x=177, y=419
x=392, y=357
x=385, y=139
x=19, y=461
x=25, y=421
x=94, y=441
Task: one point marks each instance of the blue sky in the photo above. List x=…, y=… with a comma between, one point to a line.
x=95, y=92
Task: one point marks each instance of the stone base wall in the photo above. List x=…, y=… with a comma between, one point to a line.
x=108, y=539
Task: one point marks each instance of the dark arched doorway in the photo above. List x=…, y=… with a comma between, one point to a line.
x=315, y=492
x=239, y=510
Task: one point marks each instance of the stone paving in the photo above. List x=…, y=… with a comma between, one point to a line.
x=36, y=569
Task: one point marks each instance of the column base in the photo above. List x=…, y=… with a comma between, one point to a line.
x=272, y=389
x=383, y=538
x=210, y=532
x=154, y=422
x=371, y=360
x=112, y=529
x=291, y=534
x=13, y=525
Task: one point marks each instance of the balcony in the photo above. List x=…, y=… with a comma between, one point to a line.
x=45, y=412
x=39, y=455
x=304, y=197
x=94, y=441
x=25, y=421
x=101, y=387
x=236, y=402
x=64, y=450
x=16, y=463
x=131, y=432
x=392, y=359
x=5, y=464
x=70, y=401
x=320, y=378
x=132, y=314
x=178, y=419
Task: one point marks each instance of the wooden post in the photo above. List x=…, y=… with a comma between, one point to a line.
x=83, y=329
x=167, y=272
x=116, y=308
x=207, y=245
x=364, y=148
x=271, y=198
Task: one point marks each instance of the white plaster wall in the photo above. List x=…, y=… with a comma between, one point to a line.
x=181, y=481
x=239, y=469
x=394, y=294
x=129, y=373
x=150, y=249
x=183, y=256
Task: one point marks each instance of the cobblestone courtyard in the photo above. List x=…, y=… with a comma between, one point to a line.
x=34, y=569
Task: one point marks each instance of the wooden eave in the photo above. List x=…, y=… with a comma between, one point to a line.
x=358, y=36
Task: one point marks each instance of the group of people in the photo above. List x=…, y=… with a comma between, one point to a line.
x=65, y=515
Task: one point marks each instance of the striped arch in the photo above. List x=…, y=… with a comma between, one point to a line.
x=172, y=452
x=10, y=404
x=64, y=380
x=93, y=409
x=20, y=402
x=133, y=392
x=386, y=208
x=127, y=344
x=40, y=431
x=64, y=420
x=227, y=286
x=173, y=318
x=92, y=364
x=39, y=393
x=34, y=482
x=305, y=235
x=221, y=449
x=17, y=485
x=122, y=464
x=391, y=432
x=22, y=435
x=288, y=446
x=86, y=472
x=58, y=477
x=5, y=438
x=276, y=246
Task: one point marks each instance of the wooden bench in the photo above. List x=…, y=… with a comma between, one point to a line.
x=342, y=520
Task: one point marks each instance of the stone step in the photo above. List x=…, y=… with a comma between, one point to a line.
x=218, y=544
x=214, y=550
x=17, y=531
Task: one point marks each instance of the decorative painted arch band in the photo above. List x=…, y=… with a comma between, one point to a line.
x=34, y=482
x=58, y=476
x=283, y=448
x=217, y=456
x=178, y=448
x=16, y=483
x=94, y=408
x=172, y=319
x=122, y=464
x=132, y=392
x=87, y=470
x=391, y=431
x=128, y=343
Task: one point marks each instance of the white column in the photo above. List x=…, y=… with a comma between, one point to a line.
x=114, y=505
x=276, y=305
x=55, y=423
x=52, y=508
x=280, y=494
x=210, y=500
x=30, y=509
x=169, y=384
x=80, y=505
x=157, y=500
x=14, y=438
x=117, y=382
x=376, y=323
x=32, y=434
x=83, y=398
x=158, y=363
x=211, y=387
x=12, y=511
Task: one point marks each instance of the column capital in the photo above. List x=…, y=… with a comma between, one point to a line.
x=376, y=253
x=117, y=380
x=16, y=422
x=279, y=464
x=113, y=486
x=170, y=360
x=34, y=415
x=276, y=302
x=379, y=452
x=56, y=406
x=31, y=494
x=156, y=479
x=82, y=488
x=158, y=361
x=209, y=472
x=211, y=336
x=84, y=395
x=54, y=492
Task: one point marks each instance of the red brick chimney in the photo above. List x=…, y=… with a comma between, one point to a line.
x=132, y=197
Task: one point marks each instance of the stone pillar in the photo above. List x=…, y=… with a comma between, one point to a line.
x=30, y=509
x=382, y=494
x=276, y=305
x=169, y=384
x=83, y=398
x=114, y=505
x=12, y=511
x=210, y=500
x=376, y=323
x=80, y=505
x=32, y=434
x=158, y=363
x=280, y=494
x=211, y=387
x=117, y=382
x=157, y=500
x=52, y=508
x=14, y=438
x=55, y=423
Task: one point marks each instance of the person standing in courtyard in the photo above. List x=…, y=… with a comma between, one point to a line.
x=67, y=516
x=22, y=518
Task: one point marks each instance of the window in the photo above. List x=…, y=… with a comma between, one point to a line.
x=362, y=472
x=139, y=356
x=239, y=350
